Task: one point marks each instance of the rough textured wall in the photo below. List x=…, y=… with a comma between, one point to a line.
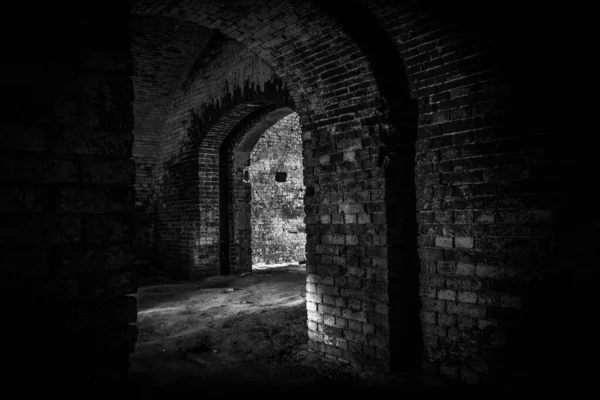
x=164, y=50
x=187, y=172
x=67, y=195
x=391, y=91
x=492, y=211
x=338, y=102
x=502, y=184
x=278, y=232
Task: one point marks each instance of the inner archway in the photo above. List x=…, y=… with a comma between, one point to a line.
x=262, y=192
x=327, y=79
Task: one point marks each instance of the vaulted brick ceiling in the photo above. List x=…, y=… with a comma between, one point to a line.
x=163, y=49
x=271, y=30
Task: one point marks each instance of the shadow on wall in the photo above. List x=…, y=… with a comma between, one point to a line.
x=560, y=245
x=395, y=248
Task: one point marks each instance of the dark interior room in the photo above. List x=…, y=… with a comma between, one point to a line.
x=305, y=198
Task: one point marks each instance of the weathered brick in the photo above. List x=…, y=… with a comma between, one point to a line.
x=351, y=208
x=315, y=317
x=465, y=269
x=468, y=310
x=355, y=337
x=472, y=178
x=429, y=317
x=354, y=315
x=467, y=297
x=486, y=271
x=447, y=295
x=444, y=242
x=446, y=319
x=325, y=309
x=464, y=242
x=315, y=298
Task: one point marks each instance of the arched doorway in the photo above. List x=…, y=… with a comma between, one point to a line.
x=262, y=192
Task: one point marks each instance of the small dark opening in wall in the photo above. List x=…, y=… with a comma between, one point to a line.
x=246, y=176
x=280, y=176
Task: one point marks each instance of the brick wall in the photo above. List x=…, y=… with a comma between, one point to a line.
x=278, y=233
x=486, y=225
x=235, y=195
x=474, y=232
x=502, y=203
x=419, y=134
x=187, y=234
x=67, y=197
x=178, y=45
x=335, y=94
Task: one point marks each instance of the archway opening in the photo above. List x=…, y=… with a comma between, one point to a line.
x=262, y=194
x=278, y=232
x=344, y=119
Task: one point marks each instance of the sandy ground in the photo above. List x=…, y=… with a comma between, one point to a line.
x=225, y=330
x=241, y=335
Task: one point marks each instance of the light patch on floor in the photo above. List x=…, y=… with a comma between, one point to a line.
x=235, y=328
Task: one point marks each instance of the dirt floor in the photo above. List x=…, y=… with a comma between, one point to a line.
x=247, y=334
x=248, y=329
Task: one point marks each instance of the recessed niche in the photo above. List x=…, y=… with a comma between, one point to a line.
x=280, y=176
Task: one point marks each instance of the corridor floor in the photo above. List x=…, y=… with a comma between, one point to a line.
x=243, y=334
x=243, y=329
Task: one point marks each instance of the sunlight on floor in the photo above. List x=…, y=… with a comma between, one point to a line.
x=229, y=327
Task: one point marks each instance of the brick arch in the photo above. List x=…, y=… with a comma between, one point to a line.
x=473, y=172
x=468, y=185
x=337, y=96
x=480, y=205
x=296, y=39
x=212, y=246
x=235, y=203
x=154, y=83
x=222, y=244
x=247, y=142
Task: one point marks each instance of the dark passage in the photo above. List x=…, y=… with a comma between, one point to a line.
x=439, y=237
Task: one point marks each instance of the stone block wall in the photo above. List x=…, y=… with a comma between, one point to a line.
x=278, y=232
x=67, y=196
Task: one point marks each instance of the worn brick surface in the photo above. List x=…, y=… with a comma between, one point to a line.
x=278, y=233
x=477, y=199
